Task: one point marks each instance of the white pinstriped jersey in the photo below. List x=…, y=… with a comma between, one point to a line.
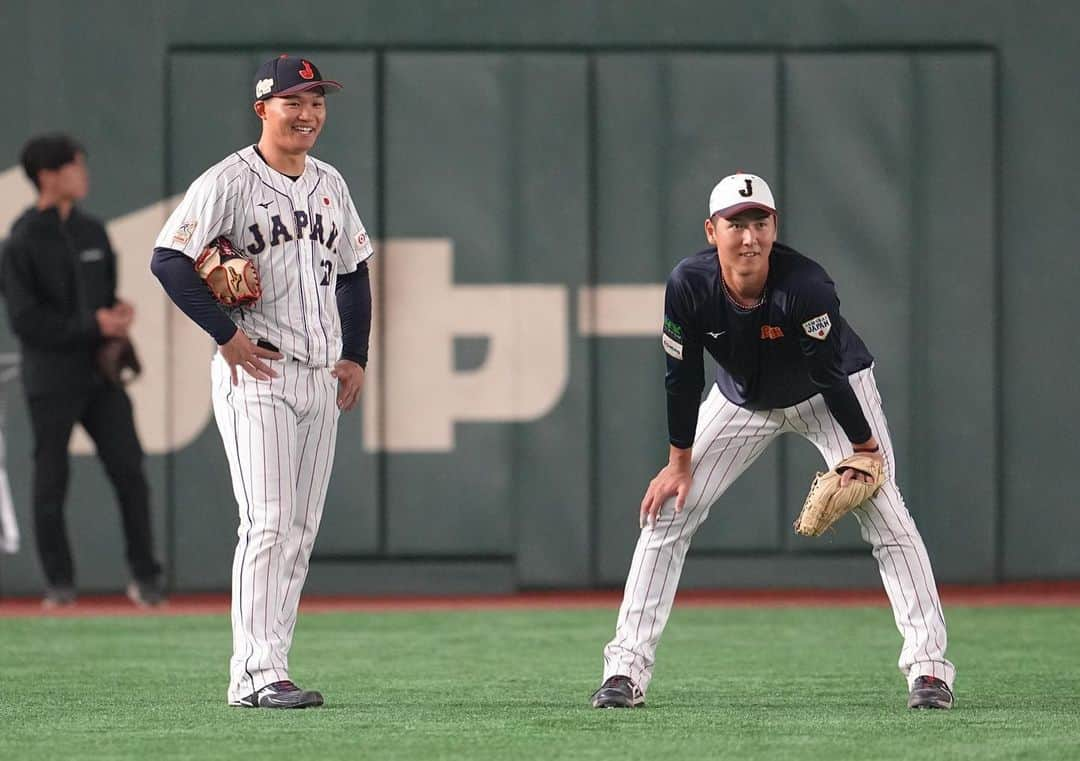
x=300, y=235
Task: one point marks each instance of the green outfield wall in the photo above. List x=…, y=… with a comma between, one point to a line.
x=531, y=172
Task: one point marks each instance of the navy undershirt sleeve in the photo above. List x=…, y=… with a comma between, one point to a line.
x=844, y=406
x=189, y=292
x=685, y=378
x=818, y=301
x=353, y=291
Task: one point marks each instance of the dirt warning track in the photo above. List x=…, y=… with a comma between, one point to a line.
x=1061, y=593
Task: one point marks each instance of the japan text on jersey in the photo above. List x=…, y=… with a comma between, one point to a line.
x=300, y=233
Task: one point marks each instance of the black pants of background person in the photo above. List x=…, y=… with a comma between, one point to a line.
x=104, y=410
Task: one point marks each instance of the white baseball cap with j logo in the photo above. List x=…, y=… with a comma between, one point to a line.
x=738, y=192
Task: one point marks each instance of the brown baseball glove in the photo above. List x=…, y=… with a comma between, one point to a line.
x=117, y=361
x=827, y=502
x=231, y=277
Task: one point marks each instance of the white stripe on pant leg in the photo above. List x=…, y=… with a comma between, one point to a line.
x=884, y=537
x=277, y=425
x=252, y=529
x=719, y=414
x=740, y=459
x=256, y=660
x=241, y=681
x=314, y=467
x=308, y=447
x=273, y=510
x=732, y=434
x=293, y=375
x=834, y=447
x=723, y=481
x=888, y=504
x=869, y=387
x=877, y=530
x=9, y=526
x=892, y=568
x=827, y=446
x=710, y=409
x=733, y=459
x=258, y=471
x=245, y=679
x=302, y=400
x=239, y=686
x=910, y=610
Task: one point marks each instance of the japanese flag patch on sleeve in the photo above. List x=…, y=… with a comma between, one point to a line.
x=818, y=327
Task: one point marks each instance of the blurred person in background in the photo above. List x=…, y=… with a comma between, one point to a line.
x=59, y=281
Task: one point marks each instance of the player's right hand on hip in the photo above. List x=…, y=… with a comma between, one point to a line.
x=673, y=480
x=240, y=351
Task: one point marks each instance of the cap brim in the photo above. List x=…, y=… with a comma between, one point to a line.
x=739, y=208
x=327, y=84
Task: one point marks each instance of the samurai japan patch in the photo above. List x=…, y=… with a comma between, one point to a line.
x=818, y=327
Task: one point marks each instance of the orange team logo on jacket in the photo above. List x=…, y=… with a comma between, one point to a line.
x=771, y=332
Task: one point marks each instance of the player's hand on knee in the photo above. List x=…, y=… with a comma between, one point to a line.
x=671, y=481
x=240, y=351
x=350, y=378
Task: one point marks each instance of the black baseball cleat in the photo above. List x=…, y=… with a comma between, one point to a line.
x=618, y=692
x=930, y=692
x=283, y=694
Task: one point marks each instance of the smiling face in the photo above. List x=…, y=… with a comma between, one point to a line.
x=291, y=124
x=743, y=242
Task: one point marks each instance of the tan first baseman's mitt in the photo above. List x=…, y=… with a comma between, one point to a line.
x=827, y=502
x=231, y=278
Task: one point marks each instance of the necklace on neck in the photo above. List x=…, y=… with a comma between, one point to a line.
x=736, y=304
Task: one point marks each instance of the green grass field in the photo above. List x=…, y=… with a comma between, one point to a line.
x=804, y=683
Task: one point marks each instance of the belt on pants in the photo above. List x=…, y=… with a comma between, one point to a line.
x=262, y=343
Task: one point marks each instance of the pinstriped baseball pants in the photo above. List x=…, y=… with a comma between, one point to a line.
x=728, y=440
x=279, y=438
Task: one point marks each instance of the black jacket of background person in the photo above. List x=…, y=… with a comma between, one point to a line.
x=55, y=275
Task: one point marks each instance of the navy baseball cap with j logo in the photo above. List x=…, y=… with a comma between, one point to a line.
x=288, y=75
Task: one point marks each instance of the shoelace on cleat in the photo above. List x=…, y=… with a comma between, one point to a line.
x=931, y=681
x=619, y=681
x=284, y=685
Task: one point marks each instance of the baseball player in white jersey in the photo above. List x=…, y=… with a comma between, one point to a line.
x=788, y=363
x=286, y=365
